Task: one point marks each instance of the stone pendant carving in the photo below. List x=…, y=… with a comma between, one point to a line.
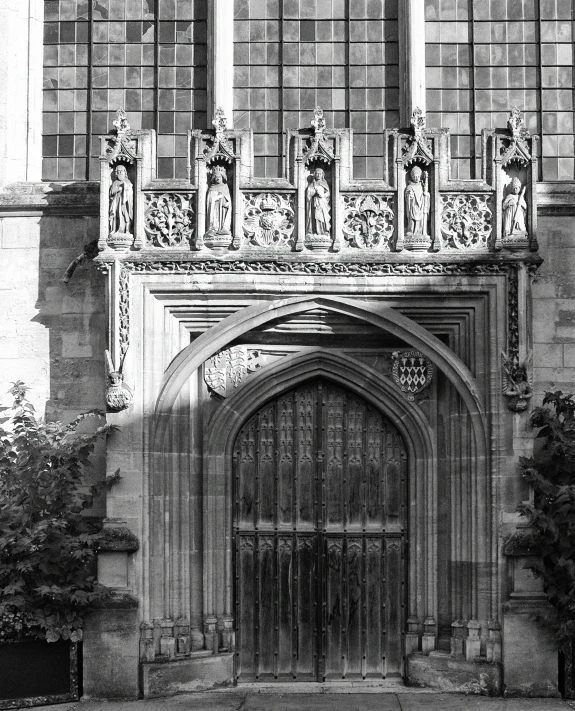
x=318, y=212
x=119, y=395
x=417, y=206
x=169, y=220
x=269, y=219
x=227, y=369
x=368, y=221
x=466, y=221
x=516, y=383
x=411, y=371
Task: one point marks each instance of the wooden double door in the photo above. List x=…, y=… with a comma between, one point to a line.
x=320, y=480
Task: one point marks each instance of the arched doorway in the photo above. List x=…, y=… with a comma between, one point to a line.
x=319, y=539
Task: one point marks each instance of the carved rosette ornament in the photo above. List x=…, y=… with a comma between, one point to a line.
x=269, y=219
x=466, y=221
x=368, y=221
x=411, y=371
x=169, y=219
x=227, y=369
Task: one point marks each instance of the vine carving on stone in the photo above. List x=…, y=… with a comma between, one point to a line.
x=368, y=221
x=169, y=219
x=269, y=219
x=124, y=310
x=466, y=221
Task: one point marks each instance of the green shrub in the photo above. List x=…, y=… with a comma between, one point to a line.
x=47, y=544
x=551, y=474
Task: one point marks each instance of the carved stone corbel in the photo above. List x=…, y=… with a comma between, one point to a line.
x=119, y=395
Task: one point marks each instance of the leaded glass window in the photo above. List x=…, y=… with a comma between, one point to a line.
x=485, y=56
x=292, y=56
x=147, y=56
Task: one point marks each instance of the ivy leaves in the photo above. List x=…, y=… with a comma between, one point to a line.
x=551, y=474
x=47, y=544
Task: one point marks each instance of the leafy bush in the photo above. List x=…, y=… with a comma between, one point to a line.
x=47, y=545
x=551, y=473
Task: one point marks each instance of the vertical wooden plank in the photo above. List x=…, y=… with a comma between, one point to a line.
x=246, y=618
x=374, y=582
x=305, y=403
x=266, y=467
x=267, y=597
x=285, y=621
x=375, y=492
x=353, y=630
x=285, y=460
x=246, y=474
x=335, y=502
x=334, y=612
x=354, y=456
x=393, y=607
x=306, y=630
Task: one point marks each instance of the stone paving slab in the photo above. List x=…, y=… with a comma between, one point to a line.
x=234, y=700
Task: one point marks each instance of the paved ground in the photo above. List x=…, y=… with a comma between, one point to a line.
x=253, y=701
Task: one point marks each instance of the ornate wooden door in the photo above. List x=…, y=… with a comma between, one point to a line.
x=319, y=539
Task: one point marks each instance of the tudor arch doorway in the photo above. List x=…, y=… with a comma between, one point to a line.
x=319, y=539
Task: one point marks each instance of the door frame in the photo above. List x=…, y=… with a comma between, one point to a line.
x=377, y=390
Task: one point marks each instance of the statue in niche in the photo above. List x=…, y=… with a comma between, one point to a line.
x=417, y=201
x=515, y=210
x=317, y=214
x=121, y=214
x=219, y=203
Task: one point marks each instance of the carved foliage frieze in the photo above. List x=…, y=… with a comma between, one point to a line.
x=368, y=221
x=269, y=219
x=466, y=221
x=169, y=219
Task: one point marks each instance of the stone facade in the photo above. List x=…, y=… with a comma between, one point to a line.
x=219, y=293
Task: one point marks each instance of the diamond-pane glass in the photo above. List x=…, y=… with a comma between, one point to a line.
x=291, y=56
x=146, y=56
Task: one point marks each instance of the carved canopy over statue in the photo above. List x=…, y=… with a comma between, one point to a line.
x=121, y=215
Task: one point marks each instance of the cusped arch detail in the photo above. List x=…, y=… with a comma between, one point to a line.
x=379, y=315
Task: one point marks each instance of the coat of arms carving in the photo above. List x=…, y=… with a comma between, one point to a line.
x=227, y=369
x=412, y=372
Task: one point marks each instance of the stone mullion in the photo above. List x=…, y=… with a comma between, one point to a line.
x=221, y=59
x=21, y=69
x=411, y=58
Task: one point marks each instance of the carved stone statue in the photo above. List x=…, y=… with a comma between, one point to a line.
x=515, y=210
x=318, y=211
x=219, y=204
x=119, y=395
x=417, y=201
x=516, y=385
x=121, y=215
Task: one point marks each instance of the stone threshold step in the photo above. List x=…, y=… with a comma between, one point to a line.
x=330, y=687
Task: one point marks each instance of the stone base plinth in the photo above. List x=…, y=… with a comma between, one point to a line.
x=530, y=656
x=111, y=648
x=439, y=670
x=198, y=672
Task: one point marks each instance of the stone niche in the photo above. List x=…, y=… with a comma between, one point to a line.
x=229, y=290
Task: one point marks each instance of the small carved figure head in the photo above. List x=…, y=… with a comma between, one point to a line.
x=520, y=374
x=121, y=173
x=318, y=174
x=516, y=185
x=416, y=174
x=219, y=175
x=115, y=378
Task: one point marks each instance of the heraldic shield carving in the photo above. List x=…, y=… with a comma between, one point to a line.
x=412, y=371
